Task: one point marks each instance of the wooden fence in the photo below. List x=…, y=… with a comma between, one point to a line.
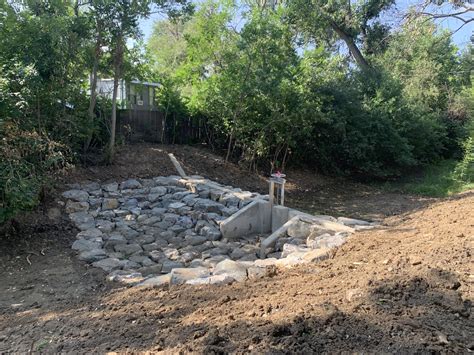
x=153, y=126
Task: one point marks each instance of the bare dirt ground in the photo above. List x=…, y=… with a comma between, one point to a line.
x=407, y=287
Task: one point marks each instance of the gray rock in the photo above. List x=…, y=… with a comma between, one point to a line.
x=89, y=234
x=156, y=255
x=291, y=248
x=158, y=211
x=87, y=245
x=125, y=277
x=145, y=239
x=130, y=265
x=150, y=270
x=255, y=272
x=195, y=239
x=210, y=233
x=108, y=264
x=130, y=184
x=104, y=225
x=112, y=187
x=168, y=265
x=156, y=281
x=82, y=220
x=167, y=235
x=206, y=205
x=150, y=247
x=176, y=206
x=299, y=230
x=116, y=239
x=72, y=206
x=212, y=280
x=92, y=255
x=179, y=276
x=109, y=204
x=234, y=269
x=143, y=260
x=128, y=249
x=159, y=190
x=76, y=195
x=128, y=232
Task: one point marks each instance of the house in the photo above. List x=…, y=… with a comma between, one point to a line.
x=132, y=95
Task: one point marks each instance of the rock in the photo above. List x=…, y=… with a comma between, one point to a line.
x=150, y=247
x=231, y=268
x=89, y=234
x=156, y=255
x=125, y=277
x=255, y=272
x=212, y=280
x=150, y=270
x=113, y=187
x=91, y=187
x=76, y=195
x=110, y=204
x=143, y=260
x=87, y=245
x=179, y=276
x=116, y=239
x=237, y=253
x=92, y=255
x=82, y=220
x=128, y=249
x=72, y=206
x=159, y=190
x=176, y=206
x=299, y=230
x=195, y=239
x=168, y=265
x=291, y=248
x=266, y=262
x=317, y=254
x=327, y=240
x=158, y=211
x=104, y=225
x=130, y=184
x=108, y=264
x=352, y=222
x=156, y=281
x=206, y=205
x=145, y=239
x=171, y=253
x=128, y=232
x=210, y=233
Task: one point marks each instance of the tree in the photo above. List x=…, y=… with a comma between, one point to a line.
x=123, y=17
x=321, y=21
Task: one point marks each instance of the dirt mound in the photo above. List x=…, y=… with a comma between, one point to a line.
x=405, y=288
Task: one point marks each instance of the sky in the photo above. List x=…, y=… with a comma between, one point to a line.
x=461, y=38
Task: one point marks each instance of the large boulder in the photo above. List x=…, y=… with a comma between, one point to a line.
x=231, y=268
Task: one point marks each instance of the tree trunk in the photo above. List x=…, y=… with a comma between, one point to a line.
x=355, y=51
x=93, y=84
x=118, y=57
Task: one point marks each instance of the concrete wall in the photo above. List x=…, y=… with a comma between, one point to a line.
x=252, y=219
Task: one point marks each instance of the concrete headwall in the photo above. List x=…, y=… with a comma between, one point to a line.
x=252, y=219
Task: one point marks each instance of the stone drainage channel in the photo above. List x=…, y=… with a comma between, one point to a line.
x=167, y=231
